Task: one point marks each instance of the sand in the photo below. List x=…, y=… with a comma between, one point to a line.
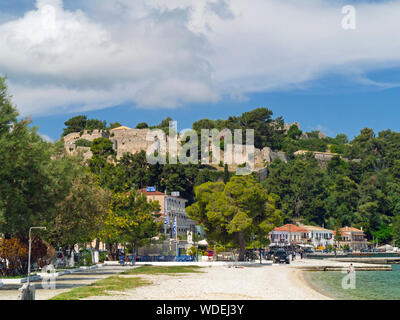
x=267, y=282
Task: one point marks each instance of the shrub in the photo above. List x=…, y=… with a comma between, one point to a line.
x=83, y=143
x=88, y=259
x=192, y=251
x=14, y=255
x=85, y=258
x=102, y=256
x=220, y=248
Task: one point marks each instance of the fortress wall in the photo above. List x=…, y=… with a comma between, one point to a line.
x=134, y=140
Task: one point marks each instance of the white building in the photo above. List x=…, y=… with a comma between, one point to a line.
x=318, y=236
x=172, y=207
x=289, y=234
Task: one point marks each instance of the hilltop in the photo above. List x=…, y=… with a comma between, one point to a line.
x=274, y=139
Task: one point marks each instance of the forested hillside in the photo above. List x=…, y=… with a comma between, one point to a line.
x=360, y=186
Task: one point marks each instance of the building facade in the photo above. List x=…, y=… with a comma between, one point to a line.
x=354, y=238
x=289, y=234
x=172, y=208
x=319, y=237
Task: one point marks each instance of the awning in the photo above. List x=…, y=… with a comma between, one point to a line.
x=203, y=243
x=305, y=245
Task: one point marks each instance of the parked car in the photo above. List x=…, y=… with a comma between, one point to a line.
x=269, y=254
x=281, y=256
x=308, y=250
x=250, y=255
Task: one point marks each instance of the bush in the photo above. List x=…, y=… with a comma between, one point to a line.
x=102, y=256
x=13, y=257
x=220, y=248
x=83, y=143
x=85, y=258
x=192, y=251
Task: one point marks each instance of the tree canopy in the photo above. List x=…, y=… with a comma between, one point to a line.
x=235, y=212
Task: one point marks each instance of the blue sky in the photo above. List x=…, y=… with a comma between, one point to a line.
x=331, y=113
x=196, y=64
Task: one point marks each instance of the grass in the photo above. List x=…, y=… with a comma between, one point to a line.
x=147, y=269
x=102, y=288
x=116, y=283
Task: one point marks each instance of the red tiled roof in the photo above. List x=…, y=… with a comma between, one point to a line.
x=350, y=229
x=291, y=228
x=155, y=193
x=158, y=193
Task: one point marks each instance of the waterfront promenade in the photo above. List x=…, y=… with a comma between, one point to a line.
x=218, y=281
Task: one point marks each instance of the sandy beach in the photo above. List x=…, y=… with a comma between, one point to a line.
x=266, y=282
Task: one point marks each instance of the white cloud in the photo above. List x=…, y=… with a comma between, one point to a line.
x=46, y=138
x=165, y=53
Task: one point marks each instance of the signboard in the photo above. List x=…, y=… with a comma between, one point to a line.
x=151, y=189
x=175, y=194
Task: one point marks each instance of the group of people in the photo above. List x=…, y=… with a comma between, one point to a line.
x=296, y=252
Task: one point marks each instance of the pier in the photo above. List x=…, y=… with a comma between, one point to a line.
x=371, y=260
x=339, y=264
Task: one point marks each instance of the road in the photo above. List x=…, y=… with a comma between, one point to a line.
x=64, y=283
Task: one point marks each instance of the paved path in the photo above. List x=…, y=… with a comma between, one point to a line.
x=64, y=283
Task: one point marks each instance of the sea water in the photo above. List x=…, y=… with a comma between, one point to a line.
x=369, y=285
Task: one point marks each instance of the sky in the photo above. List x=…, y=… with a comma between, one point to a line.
x=136, y=61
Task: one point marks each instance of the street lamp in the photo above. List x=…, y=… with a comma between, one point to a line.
x=29, y=252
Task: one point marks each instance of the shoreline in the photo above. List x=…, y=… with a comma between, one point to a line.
x=313, y=286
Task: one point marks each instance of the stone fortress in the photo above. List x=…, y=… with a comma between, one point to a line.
x=127, y=140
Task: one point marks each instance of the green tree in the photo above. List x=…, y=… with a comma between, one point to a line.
x=75, y=124
x=396, y=229
x=80, y=215
x=133, y=171
x=235, y=212
x=294, y=132
x=131, y=219
x=114, y=125
x=142, y=125
x=95, y=124
x=28, y=188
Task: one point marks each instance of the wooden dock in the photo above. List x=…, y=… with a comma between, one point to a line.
x=371, y=260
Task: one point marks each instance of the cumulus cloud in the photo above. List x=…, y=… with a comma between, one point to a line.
x=167, y=53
